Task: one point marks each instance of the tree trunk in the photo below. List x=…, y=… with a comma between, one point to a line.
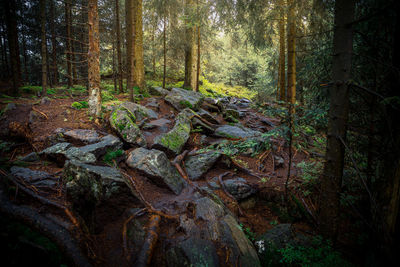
x=43, y=45
x=190, y=64
x=291, y=40
x=338, y=114
x=94, y=61
x=153, y=36
x=25, y=56
x=12, y=36
x=198, y=59
x=53, y=43
x=129, y=47
x=165, y=48
x=119, y=53
x=72, y=56
x=282, y=55
x=68, y=43
x=139, y=80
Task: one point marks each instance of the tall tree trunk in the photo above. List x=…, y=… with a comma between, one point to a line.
x=291, y=45
x=129, y=47
x=153, y=42
x=139, y=79
x=338, y=115
x=68, y=51
x=190, y=64
x=198, y=59
x=53, y=43
x=43, y=45
x=12, y=36
x=94, y=61
x=25, y=56
x=165, y=47
x=119, y=53
x=73, y=43
x=282, y=53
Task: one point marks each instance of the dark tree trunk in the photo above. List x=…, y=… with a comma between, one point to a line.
x=43, y=45
x=129, y=47
x=119, y=53
x=12, y=35
x=338, y=115
x=68, y=42
x=53, y=43
x=165, y=48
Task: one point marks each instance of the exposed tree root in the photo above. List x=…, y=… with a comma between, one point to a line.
x=223, y=187
x=59, y=235
x=250, y=172
x=145, y=254
x=124, y=231
x=41, y=113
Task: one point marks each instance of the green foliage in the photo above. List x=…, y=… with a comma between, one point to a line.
x=80, y=105
x=111, y=155
x=311, y=172
x=186, y=104
x=247, y=231
x=107, y=96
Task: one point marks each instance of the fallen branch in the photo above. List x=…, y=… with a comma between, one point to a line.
x=41, y=113
x=145, y=254
x=56, y=233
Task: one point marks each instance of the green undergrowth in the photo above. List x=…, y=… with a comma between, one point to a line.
x=80, y=105
x=112, y=155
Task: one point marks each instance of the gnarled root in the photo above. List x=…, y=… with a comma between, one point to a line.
x=145, y=254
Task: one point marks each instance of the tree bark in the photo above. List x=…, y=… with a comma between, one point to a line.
x=139, y=79
x=129, y=47
x=119, y=53
x=12, y=36
x=43, y=45
x=165, y=48
x=338, y=114
x=53, y=43
x=282, y=53
x=94, y=61
x=190, y=64
x=68, y=51
x=291, y=45
x=198, y=60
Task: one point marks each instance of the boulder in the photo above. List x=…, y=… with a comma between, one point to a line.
x=36, y=178
x=89, y=184
x=31, y=157
x=174, y=140
x=279, y=161
x=107, y=143
x=276, y=238
x=239, y=188
x=62, y=151
x=139, y=112
x=124, y=122
x=158, y=91
x=45, y=100
x=231, y=113
x=237, y=131
x=207, y=116
x=199, y=164
x=155, y=164
x=162, y=124
x=82, y=136
x=180, y=99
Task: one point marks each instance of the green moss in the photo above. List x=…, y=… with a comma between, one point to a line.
x=111, y=155
x=186, y=103
x=80, y=104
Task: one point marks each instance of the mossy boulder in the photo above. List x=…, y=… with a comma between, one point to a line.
x=180, y=99
x=237, y=131
x=158, y=91
x=199, y=164
x=138, y=111
x=174, y=140
x=123, y=121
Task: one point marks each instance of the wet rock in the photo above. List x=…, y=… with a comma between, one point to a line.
x=62, y=151
x=198, y=125
x=237, y=131
x=267, y=122
x=158, y=91
x=36, y=178
x=156, y=166
x=207, y=116
x=192, y=252
x=239, y=188
x=174, y=140
x=124, y=122
x=33, y=116
x=139, y=112
x=180, y=99
x=82, y=136
x=231, y=113
x=92, y=184
x=276, y=238
x=31, y=157
x=198, y=165
x=107, y=143
x=279, y=162
x=160, y=123
x=153, y=104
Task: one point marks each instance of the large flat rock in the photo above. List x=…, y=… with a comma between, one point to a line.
x=180, y=99
x=237, y=131
x=199, y=164
x=156, y=166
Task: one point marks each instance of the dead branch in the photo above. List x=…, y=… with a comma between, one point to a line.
x=145, y=254
x=56, y=233
x=41, y=113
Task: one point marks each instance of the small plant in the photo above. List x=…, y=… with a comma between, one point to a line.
x=186, y=104
x=107, y=96
x=111, y=155
x=80, y=105
x=249, y=234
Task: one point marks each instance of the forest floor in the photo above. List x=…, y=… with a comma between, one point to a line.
x=33, y=122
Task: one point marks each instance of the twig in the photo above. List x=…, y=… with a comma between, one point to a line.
x=41, y=113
